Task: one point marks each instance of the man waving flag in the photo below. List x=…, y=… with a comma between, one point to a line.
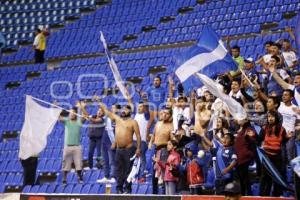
x=208, y=57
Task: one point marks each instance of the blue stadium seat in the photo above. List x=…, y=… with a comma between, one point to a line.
x=86, y=189
x=51, y=188
x=43, y=188
x=68, y=189
x=26, y=189
x=96, y=189
x=59, y=189
x=34, y=189
x=77, y=189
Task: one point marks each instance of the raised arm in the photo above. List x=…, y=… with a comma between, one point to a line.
x=149, y=124
x=85, y=114
x=278, y=79
x=111, y=115
x=261, y=94
x=138, y=137
x=291, y=33
x=152, y=138
x=171, y=87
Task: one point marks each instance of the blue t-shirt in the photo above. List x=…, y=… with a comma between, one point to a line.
x=225, y=156
x=156, y=96
x=296, y=90
x=273, y=86
x=252, y=73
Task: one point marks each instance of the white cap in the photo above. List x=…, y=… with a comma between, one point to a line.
x=250, y=60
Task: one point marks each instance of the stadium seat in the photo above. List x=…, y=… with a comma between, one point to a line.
x=26, y=189
x=96, y=189
x=60, y=188
x=43, y=188
x=51, y=188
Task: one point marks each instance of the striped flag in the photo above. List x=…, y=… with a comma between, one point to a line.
x=208, y=57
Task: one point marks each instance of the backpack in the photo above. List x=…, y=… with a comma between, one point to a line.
x=194, y=173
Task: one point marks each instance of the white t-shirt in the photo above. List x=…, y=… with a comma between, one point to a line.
x=142, y=122
x=238, y=95
x=177, y=112
x=289, y=57
x=296, y=97
x=288, y=117
x=36, y=41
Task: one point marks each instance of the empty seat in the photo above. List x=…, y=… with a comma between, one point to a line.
x=77, y=189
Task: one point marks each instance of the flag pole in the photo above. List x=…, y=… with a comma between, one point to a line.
x=246, y=77
x=51, y=104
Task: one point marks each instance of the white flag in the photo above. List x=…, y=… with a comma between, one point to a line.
x=38, y=124
x=235, y=108
x=134, y=170
x=114, y=68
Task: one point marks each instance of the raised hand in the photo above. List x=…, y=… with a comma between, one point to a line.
x=96, y=98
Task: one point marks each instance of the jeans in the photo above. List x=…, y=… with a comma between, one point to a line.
x=123, y=167
x=244, y=178
x=144, y=148
x=95, y=143
x=170, y=187
x=220, y=185
x=290, y=149
x=39, y=56
x=266, y=181
x=163, y=157
x=109, y=160
x=29, y=170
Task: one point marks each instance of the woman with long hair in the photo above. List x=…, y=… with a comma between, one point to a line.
x=273, y=137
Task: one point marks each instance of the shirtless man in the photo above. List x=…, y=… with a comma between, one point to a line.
x=124, y=130
x=202, y=118
x=162, y=134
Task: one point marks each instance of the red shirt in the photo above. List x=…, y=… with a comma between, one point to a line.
x=244, y=146
x=272, y=143
x=174, y=161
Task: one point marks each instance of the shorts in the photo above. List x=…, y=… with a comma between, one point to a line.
x=72, y=154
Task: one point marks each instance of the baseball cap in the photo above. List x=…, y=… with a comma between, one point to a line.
x=249, y=60
x=232, y=188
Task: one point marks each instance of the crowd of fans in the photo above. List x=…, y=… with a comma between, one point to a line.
x=196, y=146
x=192, y=136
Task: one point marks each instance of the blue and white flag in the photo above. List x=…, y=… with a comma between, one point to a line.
x=114, y=68
x=276, y=176
x=295, y=163
x=209, y=57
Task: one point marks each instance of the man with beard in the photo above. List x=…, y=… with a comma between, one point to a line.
x=125, y=150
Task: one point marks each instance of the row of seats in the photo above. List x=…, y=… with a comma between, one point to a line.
x=11, y=179
x=233, y=26
x=7, y=10
x=18, y=21
x=84, y=189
